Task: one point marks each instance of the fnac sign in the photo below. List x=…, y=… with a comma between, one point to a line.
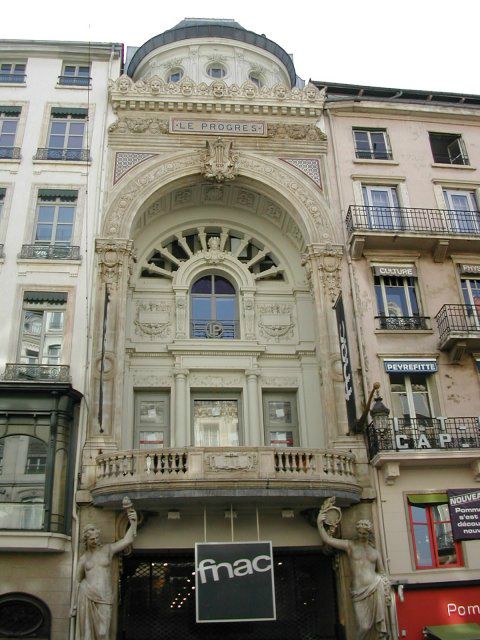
x=234, y=581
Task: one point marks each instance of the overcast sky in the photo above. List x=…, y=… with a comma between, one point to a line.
x=417, y=44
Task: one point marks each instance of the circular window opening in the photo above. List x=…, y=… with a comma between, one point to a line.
x=255, y=78
x=216, y=70
x=23, y=616
x=175, y=75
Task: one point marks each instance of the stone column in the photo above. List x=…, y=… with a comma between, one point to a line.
x=323, y=263
x=253, y=434
x=115, y=264
x=180, y=433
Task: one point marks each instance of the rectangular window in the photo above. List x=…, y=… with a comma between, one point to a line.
x=152, y=420
x=383, y=211
x=75, y=75
x=12, y=72
x=55, y=217
x=9, y=117
x=372, y=144
x=431, y=531
x=280, y=419
x=448, y=148
x=66, y=134
x=397, y=302
x=463, y=215
x=216, y=422
x=42, y=331
x=411, y=399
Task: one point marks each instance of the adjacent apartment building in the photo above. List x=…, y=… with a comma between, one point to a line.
x=186, y=235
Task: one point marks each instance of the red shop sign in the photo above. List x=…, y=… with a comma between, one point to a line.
x=436, y=606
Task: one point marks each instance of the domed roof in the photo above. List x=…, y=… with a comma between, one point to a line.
x=211, y=28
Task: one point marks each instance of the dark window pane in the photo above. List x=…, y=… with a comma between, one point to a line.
x=203, y=285
x=223, y=286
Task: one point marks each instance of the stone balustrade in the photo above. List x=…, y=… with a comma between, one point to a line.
x=269, y=468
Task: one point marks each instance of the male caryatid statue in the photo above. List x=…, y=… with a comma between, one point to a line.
x=370, y=588
x=94, y=594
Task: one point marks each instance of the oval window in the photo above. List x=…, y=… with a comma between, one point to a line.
x=175, y=75
x=216, y=70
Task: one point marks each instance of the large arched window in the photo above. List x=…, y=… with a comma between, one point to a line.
x=213, y=308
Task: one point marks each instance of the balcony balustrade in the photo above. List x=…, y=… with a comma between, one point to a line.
x=12, y=78
x=289, y=473
x=15, y=372
x=408, y=434
x=49, y=252
x=66, y=155
x=220, y=329
x=402, y=323
x=9, y=153
x=405, y=227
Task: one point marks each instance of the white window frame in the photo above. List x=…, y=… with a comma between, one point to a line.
x=472, y=223
x=371, y=144
x=457, y=139
x=409, y=394
x=57, y=203
x=70, y=120
x=270, y=427
x=150, y=397
x=13, y=71
x=44, y=308
x=235, y=396
x=387, y=216
x=85, y=79
x=4, y=117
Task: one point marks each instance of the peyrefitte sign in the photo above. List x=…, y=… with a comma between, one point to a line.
x=234, y=581
x=464, y=506
x=218, y=127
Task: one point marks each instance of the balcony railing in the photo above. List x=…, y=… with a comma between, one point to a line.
x=74, y=81
x=409, y=220
x=69, y=155
x=400, y=434
x=9, y=153
x=13, y=78
x=49, y=252
x=363, y=154
x=39, y=372
x=454, y=318
x=402, y=323
x=2, y=255
x=225, y=469
x=219, y=329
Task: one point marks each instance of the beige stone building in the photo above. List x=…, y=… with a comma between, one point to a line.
x=406, y=171
x=255, y=255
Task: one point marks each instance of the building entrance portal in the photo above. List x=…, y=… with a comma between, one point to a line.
x=157, y=600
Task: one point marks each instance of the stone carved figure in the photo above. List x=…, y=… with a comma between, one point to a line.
x=94, y=596
x=370, y=586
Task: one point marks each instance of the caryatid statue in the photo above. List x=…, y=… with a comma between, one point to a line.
x=93, y=599
x=370, y=586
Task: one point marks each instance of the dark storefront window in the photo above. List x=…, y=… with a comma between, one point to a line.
x=158, y=601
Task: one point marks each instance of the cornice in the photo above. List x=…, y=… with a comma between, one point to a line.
x=216, y=98
x=404, y=111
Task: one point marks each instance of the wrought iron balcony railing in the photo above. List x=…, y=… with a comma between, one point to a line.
x=219, y=329
x=402, y=323
x=69, y=155
x=9, y=153
x=12, y=78
x=49, y=252
x=401, y=434
x=373, y=155
x=409, y=220
x=2, y=255
x=18, y=371
x=74, y=81
x=453, y=318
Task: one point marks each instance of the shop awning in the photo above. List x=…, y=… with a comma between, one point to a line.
x=466, y=631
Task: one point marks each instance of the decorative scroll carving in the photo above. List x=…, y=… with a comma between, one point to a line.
x=219, y=163
x=328, y=259
x=279, y=382
x=150, y=379
x=249, y=315
x=276, y=321
x=113, y=257
x=214, y=254
x=284, y=131
x=153, y=126
x=181, y=311
x=231, y=461
x=153, y=319
x=205, y=380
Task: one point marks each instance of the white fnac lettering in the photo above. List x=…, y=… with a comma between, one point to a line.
x=210, y=569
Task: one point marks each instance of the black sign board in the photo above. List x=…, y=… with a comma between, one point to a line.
x=234, y=581
x=464, y=505
x=346, y=365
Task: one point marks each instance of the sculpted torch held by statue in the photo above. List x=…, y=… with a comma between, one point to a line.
x=94, y=594
x=370, y=587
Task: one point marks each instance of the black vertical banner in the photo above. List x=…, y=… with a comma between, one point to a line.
x=346, y=365
x=102, y=361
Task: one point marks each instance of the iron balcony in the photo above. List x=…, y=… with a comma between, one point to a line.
x=423, y=434
x=459, y=329
x=12, y=78
x=66, y=155
x=402, y=323
x=18, y=371
x=49, y=252
x=435, y=230
x=9, y=153
x=74, y=81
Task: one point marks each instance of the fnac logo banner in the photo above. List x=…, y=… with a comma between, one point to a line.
x=234, y=582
